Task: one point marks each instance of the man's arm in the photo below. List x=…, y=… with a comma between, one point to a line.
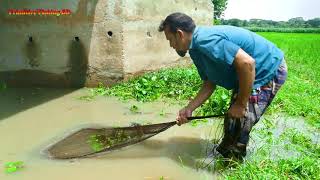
x=204, y=93
x=245, y=68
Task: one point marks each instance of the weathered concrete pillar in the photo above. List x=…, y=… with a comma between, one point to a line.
x=100, y=41
x=145, y=48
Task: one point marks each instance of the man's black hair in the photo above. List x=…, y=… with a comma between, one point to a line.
x=177, y=21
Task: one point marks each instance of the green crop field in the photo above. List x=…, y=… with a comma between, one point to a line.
x=300, y=95
x=284, y=30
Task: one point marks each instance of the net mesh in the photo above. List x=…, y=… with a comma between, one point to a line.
x=93, y=141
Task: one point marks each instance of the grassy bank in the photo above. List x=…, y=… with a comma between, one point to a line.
x=282, y=150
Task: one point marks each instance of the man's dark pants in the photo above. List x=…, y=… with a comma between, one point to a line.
x=236, y=131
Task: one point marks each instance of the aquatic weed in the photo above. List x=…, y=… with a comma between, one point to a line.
x=11, y=167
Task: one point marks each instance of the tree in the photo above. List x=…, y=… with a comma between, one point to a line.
x=235, y=22
x=244, y=23
x=315, y=23
x=219, y=7
x=296, y=22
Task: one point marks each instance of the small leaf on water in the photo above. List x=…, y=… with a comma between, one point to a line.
x=134, y=108
x=162, y=113
x=11, y=167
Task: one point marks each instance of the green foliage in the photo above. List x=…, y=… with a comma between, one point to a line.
x=177, y=84
x=302, y=168
x=216, y=104
x=218, y=7
x=314, y=22
x=195, y=123
x=96, y=142
x=297, y=22
x=301, y=142
x=284, y=30
x=217, y=22
x=300, y=158
x=287, y=153
x=100, y=142
x=11, y=167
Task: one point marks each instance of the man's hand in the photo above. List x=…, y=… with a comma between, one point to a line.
x=182, y=116
x=237, y=111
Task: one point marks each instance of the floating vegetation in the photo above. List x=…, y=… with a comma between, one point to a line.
x=96, y=142
x=100, y=142
x=11, y=167
x=134, y=109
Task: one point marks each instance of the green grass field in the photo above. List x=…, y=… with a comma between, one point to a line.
x=299, y=97
x=284, y=30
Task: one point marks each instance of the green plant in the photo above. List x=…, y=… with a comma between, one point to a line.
x=134, y=109
x=195, y=123
x=97, y=142
x=100, y=142
x=162, y=113
x=172, y=83
x=11, y=167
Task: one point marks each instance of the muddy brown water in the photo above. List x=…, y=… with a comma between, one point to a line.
x=32, y=119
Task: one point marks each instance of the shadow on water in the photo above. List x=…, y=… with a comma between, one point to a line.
x=15, y=100
x=185, y=151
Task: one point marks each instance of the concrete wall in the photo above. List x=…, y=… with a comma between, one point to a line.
x=147, y=49
x=55, y=57
x=115, y=39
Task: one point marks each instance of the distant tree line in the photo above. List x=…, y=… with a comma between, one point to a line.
x=297, y=22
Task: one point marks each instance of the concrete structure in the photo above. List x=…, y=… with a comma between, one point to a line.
x=100, y=41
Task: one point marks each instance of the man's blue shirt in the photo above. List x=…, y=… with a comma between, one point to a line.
x=213, y=50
